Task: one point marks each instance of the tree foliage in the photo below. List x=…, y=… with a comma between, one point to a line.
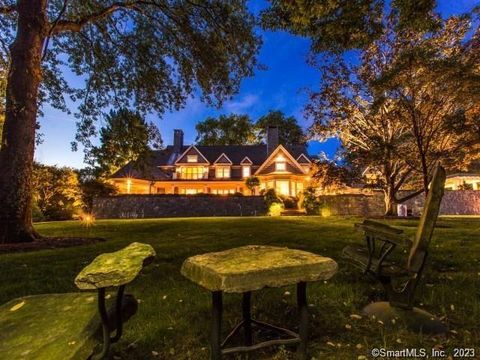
x=56, y=192
x=289, y=131
x=328, y=176
x=225, y=130
x=344, y=24
x=124, y=137
x=95, y=188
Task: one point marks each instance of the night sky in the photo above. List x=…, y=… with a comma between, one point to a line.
x=280, y=87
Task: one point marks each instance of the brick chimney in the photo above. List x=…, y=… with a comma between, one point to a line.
x=177, y=140
x=272, y=139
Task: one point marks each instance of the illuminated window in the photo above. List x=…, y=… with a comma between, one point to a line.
x=246, y=171
x=223, y=191
x=129, y=186
x=192, y=158
x=280, y=163
x=191, y=191
x=191, y=172
x=222, y=172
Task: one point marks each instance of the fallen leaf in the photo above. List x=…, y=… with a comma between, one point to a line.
x=348, y=327
x=355, y=317
x=18, y=306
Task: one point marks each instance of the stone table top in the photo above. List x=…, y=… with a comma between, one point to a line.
x=116, y=268
x=253, y=267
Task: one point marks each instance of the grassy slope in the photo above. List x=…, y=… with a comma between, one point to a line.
x=173, y=317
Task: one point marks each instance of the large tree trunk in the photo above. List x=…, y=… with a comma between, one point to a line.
x=389, y=199
x=18, y=138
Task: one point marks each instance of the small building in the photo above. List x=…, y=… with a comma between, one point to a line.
x=221, y=170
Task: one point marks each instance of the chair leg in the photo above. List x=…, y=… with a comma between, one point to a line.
x=303, y=315
x=247, y=317
x=215, y=341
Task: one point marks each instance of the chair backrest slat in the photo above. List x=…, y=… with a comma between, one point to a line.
x=428, y=219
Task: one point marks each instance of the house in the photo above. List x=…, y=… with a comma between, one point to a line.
x=192, y=169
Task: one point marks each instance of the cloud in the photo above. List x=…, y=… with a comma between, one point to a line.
x=243, y=104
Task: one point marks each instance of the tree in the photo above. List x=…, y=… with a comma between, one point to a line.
x=56, y=191
x=289, y=132
x=364, y=107
x=150, y=54
x=435, y=82
x=344, y=24
x=252, y=183
x=125, y=137
x=329, y=176
x=226, y=130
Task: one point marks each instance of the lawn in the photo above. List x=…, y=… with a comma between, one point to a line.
x=173, y=317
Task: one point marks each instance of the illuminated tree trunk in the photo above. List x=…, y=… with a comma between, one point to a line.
x=389, y=198
x=18, y=138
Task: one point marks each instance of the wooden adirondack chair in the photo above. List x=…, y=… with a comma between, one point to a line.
x=376, y=259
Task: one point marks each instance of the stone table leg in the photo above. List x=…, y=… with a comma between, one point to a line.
x=215, y=341
x=247, y=317
x=303, y=315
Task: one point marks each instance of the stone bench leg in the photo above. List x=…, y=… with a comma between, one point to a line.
x=216, y=335
x=247, y=318
x=303, y=316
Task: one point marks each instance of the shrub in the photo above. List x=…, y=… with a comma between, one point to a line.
x=310, y=202
x=271, y=197
x=290, y=202
x=275, y=209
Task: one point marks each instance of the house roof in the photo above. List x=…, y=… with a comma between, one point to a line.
x=157, y=164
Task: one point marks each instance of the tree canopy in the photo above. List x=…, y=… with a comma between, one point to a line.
x=124, y=137
x=289, y=131
x=344, y=24
x=225, y=130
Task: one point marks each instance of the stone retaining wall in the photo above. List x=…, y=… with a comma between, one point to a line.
x=154, y=206
x=459, y=202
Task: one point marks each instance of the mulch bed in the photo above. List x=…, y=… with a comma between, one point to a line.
x=48, y=243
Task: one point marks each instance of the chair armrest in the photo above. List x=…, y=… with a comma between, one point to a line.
x=384, y=233
x=116, y=268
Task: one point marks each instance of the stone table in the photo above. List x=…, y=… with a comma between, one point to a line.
x=249, y=268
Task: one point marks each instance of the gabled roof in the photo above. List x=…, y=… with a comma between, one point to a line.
x=223, y=159
x=182, y=158
x=160, y=162
x=303, y=159
x=246, y=161
x=284, y=151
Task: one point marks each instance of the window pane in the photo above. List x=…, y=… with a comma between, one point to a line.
x=246, y=171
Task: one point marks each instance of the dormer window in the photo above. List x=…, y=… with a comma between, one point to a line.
x=222, y=172
x=246, y=171
x=280, y=163
x=192, y=158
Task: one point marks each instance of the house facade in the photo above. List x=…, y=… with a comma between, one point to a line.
x=221, y=170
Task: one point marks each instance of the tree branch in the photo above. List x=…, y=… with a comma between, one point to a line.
x=76, y=26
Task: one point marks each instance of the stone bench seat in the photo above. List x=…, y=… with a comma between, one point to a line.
x=69, y=326
x=254, y=267
x=116, y=268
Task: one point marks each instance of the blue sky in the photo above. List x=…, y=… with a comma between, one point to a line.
x=280, y=87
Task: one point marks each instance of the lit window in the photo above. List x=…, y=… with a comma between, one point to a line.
x=191, y=191
x=192, y=158
x=222, y=172
x=281, y=166
x=246, y=172
x=191, y=172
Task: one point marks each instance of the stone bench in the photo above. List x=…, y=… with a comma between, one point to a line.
x=71, y=325
x=249, y=268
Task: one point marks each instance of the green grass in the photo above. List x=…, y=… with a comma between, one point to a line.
x=174, y=314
